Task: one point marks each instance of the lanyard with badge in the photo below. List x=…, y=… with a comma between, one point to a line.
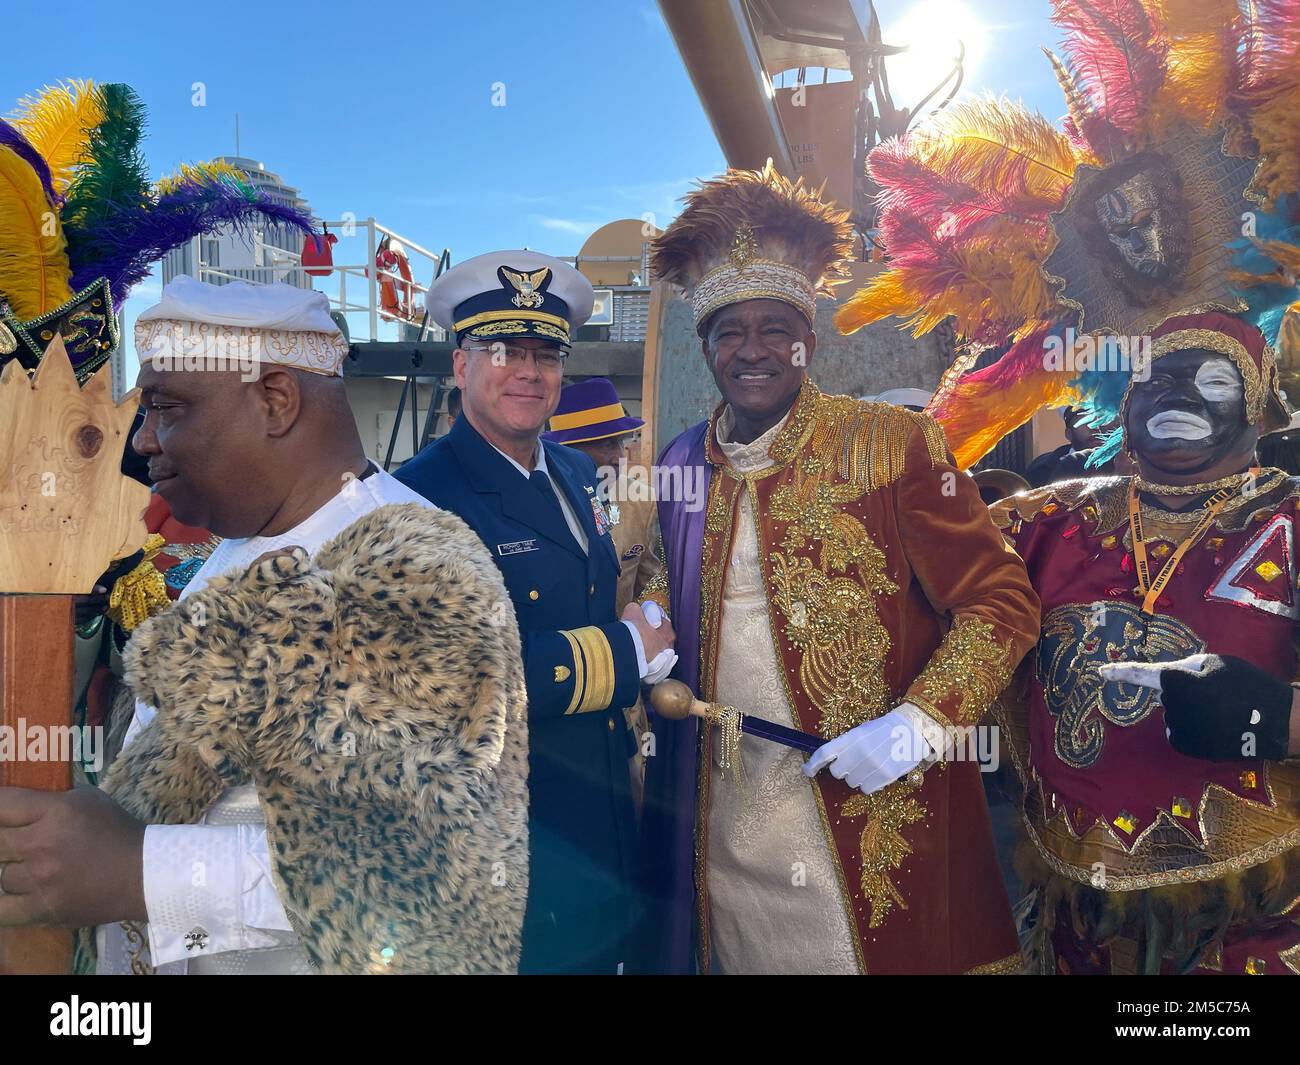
x=1150, y=589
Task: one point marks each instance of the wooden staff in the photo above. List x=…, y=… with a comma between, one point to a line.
x=66, y=512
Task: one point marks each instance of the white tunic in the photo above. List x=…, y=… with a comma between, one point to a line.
x=775, y=904
x=211, y=901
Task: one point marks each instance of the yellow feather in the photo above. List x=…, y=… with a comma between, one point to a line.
x=58, y=124
x=975, y=416
x=989, y=136
x=1275, y=124
x=1201, y=36
x=34, y=266
x=995, y=277
x=196, y=172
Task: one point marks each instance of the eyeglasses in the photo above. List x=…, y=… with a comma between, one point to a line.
x=550, y=359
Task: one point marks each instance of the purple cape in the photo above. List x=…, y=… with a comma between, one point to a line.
x=668, y=817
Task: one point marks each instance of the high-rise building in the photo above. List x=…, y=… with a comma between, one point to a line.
x=229, y=255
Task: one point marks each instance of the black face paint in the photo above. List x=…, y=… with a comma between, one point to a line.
x=1174, y=423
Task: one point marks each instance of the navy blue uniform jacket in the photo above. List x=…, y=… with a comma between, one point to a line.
x=581, y=668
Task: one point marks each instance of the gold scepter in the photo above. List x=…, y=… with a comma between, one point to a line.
x=674, y=700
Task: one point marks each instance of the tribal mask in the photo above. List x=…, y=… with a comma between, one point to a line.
x=1138, y=227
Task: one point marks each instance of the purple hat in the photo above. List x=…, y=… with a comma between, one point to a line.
x=589, y=410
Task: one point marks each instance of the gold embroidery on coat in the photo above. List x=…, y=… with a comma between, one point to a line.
x=884, y=847
x=811, y=507
x=970, y=666
x=834, y=625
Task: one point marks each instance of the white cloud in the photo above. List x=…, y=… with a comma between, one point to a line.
x=569, y=225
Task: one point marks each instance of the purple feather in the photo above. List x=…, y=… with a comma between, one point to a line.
x=11, y=138
x=134, y=238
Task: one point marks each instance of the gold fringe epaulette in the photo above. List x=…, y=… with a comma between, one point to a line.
x=865, y=444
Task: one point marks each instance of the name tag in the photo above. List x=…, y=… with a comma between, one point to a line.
x=518, y=547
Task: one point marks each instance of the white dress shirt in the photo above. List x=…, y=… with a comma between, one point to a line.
x=661, y=666
x=209, y=894
x=539, y=463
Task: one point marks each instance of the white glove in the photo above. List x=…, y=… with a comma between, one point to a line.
x=1147, y=674
x=875, y=753
x=652, y=672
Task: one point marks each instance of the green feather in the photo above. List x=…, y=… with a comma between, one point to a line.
x=111, y=176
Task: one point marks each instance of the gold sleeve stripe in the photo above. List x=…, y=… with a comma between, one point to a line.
x=599, y=661
x=579, y=673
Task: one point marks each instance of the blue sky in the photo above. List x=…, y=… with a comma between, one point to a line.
x=386, y=109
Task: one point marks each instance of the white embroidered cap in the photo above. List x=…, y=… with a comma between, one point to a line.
x=240, y=323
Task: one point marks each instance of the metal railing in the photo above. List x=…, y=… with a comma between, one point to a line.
x=284, y=265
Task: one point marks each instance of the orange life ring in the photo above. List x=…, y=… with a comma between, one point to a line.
x=394, y=300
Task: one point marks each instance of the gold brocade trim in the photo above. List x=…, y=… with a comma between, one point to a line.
x=924, y=704
x=970, y=665
x=513, y=316
x=579, y=673
x=1008, y=966
x=756, y=279
x=1212, y=340
x=828, y=834
x=1187, y=874
x=720, y=520
x=1108, y=499
x=834, y=624
x=1233, y=480
x=794, y=434
x=1291, y=958
x=657, y=590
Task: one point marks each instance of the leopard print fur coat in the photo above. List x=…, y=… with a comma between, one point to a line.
x=375, y=697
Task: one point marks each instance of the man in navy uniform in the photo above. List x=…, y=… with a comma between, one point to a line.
x=535, y=506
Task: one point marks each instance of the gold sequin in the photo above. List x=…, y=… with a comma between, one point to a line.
x=836, y=628
x=970, y=666
x=883, y=844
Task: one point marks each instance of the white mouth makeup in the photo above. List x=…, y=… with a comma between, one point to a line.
x=1178, y=424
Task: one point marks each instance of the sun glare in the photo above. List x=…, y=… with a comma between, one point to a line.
x=931, y=29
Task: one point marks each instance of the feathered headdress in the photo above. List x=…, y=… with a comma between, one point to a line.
x=753, y=234
x=1168, y=190
x=80, y=223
